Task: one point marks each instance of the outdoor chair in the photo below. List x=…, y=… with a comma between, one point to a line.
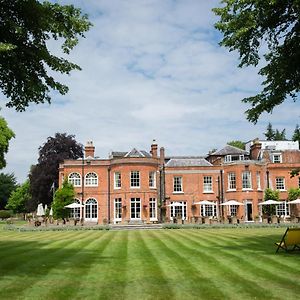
x=290, y=240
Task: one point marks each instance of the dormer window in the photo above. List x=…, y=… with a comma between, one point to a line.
x=277, y=158
x=234, y=157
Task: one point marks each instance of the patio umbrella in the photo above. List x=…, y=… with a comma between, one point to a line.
x=74, y=205
x=231, y=202
x=297, y=201
x=175, y=204
x=205, y=202
x=40, y=210
x=270, y=202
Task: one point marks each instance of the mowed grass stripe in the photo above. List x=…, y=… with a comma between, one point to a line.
x=185, y=279
x=23, y=240
x=243, y=245
x=64, y=281
x=26, y=249
x=262, y=241
x=245, y=262
x=219, y=270
x=144, y=273
x=34, y=264
x=106, y=278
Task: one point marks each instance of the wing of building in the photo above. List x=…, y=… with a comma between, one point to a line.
x=142, y=187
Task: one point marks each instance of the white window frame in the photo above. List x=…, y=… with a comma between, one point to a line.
x=117, y=180
x=75, y=179
x=153, y=209
x=258, y=181
x=91, y=210
x=135, y=205
x=207, y=184
x=275, y=157
x=280, y=209
x=280, y=183
x=152, y=180
x=232, y=157
x=135, y=179
x=231, y=180
x=117, y=210
x=208, y=210
x=91, y=179
x=177, y=184
x=181, y=206
x=246, y=180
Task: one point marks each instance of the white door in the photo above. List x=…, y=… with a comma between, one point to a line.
x=91, y=210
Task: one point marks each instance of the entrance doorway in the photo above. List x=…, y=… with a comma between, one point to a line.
x=135, y=209
x=248, y=211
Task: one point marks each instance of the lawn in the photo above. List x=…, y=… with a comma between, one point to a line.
x=159, y=264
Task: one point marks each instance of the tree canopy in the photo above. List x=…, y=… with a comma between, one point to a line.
x=19, y=199
x=6, y=134
x=237, y=144
x=25, y=60
x=8, y=183
x=268, y=29
x=45, y=173
x=63, y=196
x=274, y=135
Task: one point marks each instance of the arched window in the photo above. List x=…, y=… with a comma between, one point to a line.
x=75, y=179
x=91, y=179
x=91, y=209
x=76, y=210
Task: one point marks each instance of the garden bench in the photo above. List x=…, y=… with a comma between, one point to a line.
x=291, y=238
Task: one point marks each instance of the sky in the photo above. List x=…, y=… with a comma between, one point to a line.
x=151, y=69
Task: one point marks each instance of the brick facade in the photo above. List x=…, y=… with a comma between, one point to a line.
x=144, y=187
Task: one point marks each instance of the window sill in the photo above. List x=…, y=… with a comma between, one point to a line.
x=178, y=192
x=152, y=188
x=232, y=190
x=117, y=188
x=245, y=190
x=208, y=192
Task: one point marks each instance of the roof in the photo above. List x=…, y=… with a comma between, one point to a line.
x=188, y=162
x=132, y=153
x=229, y=150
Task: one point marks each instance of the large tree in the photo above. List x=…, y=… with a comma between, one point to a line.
x=26, y=64
x=6, y=134
x=45, y=173
x=8, y=184
x=269, y=29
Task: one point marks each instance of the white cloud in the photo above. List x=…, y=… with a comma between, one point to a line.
x=150, y=69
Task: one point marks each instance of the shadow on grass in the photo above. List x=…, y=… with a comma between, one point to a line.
x=32, y=261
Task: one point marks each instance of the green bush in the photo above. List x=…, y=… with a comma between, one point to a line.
x=5, y=214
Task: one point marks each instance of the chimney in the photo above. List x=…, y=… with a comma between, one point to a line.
x=162, y=156
x=255, y=149
x=89, y=149
x=153, y=150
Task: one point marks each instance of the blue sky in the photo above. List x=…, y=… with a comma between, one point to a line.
x=151, y=69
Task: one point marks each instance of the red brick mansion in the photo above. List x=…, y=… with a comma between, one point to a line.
x=143, y=187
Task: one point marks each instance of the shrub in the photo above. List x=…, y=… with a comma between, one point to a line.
x=5, y=214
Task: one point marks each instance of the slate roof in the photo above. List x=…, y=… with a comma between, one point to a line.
x=132, y=153
x=188, y=162
x=229, y=150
